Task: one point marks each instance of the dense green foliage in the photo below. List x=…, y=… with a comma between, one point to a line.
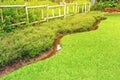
x=84, y=56
x=106, y=4
x=30, y=41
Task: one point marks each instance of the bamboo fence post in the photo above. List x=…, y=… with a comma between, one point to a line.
x=82, y=8
x=73, y=8
x=47, y=12
x=2, y=18
x=53, y=12
x=42, y=14
x=76, y=8
x=26, y=11
x=85, y=7
x=59, y=11
x=65, y=9
x=89, y=7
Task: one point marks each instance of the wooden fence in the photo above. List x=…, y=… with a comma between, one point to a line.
x=64, y=10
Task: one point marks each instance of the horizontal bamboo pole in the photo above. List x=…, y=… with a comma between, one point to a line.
x=55, y=17
x=34, y=22
x=71, y=4
x=12, y=6
x=56, y=6
x=18, y=23
x=43, y=6
x=75, y=3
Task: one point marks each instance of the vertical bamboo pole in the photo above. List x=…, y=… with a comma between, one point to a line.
x=42, y=14
x=47, y=7
x=59, y=11
x=76, y=8
x=16, y=11
x=26, y=10
x=85, y=7
x=73, y=8
x=53, y=12
x=82, y=8
x=65, y=10
x=89, y=6
x=2, y=18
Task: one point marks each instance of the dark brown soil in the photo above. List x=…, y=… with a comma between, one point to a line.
x=112, y=10
x=43, y=55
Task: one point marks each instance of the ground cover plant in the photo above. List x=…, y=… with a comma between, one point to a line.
x=30, y=41
x=84, y=56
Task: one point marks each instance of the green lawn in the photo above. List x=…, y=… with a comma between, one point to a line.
x=91, y=55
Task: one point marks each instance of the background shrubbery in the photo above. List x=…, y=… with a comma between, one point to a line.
x=105, y=4
x=30, y=41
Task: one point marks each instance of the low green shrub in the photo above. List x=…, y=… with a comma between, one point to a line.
x=30, y=41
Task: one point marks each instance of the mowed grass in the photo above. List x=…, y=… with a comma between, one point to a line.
x=93, y=55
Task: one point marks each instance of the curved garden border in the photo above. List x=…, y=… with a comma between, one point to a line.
x=44, y=55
